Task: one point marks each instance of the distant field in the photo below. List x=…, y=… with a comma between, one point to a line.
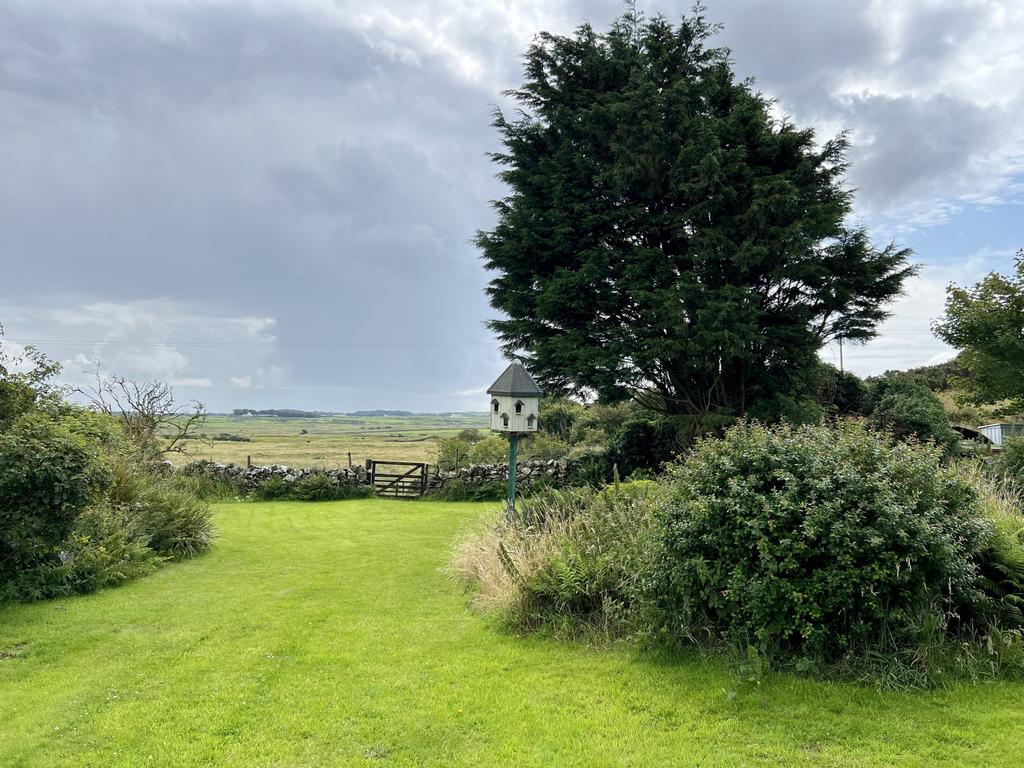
x=329, y=439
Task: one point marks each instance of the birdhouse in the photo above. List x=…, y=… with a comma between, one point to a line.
x=515, y=401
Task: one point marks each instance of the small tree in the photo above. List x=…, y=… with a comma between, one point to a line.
x=452, y=453
x=150, y=417
x=987, y=323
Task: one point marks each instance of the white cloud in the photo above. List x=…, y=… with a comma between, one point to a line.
x=184, y=344
x=242, y=382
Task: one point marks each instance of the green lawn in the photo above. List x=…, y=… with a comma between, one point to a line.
x=324, y=634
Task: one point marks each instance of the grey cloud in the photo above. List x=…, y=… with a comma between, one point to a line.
x=323, y=163
x=904, y=144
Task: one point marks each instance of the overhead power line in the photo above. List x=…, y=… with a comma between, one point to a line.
x=248, y=344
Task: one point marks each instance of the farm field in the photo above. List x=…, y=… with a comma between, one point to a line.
x=328, y=439
x=327, y=635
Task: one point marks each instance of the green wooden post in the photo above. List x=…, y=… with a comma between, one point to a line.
x=513, y=447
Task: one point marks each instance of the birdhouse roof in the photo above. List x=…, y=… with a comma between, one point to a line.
x=515, y=382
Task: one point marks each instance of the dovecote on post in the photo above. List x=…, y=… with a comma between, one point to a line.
x=515, y=401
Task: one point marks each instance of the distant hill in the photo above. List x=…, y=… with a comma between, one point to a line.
x=379, y=413
x=283, y=413
x=294, y=413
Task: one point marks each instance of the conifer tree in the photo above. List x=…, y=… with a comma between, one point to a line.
x=665, y=235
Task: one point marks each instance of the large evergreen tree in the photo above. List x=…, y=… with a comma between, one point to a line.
x=665, y=236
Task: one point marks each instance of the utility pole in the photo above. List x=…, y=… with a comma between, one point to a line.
x=841, y=354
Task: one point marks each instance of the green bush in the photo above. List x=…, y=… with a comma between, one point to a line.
x=591, y=466
x=104, y=549
x=491, y=450
x=643, y=444
x=787, y=409
x=471, y=436
x=273, y=488
x=1010, y=461
x=174, y=523
x=16, y=398
x=314, y=487
x=461, y=490
x=207, y=487
x=452, y=453
x=815, y=542
x=559, y=416
x=841, y=392
x=909, y=409
x=47, y=477
x=541, y=445
x=322, y=488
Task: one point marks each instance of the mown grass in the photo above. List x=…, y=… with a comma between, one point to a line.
x=326, y=634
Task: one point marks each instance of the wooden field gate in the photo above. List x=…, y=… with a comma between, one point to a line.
x=404, y=479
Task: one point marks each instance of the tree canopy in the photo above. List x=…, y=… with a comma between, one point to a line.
x=987, y=323
x=665, y=236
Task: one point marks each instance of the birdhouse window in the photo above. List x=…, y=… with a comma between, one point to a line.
x=504, y=419
x=494, y=405
x=530, y=420
x=519, y=406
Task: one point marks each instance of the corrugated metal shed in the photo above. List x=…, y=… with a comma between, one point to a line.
x=997, y=433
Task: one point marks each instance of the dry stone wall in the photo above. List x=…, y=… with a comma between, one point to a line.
x=250, y=478
x=551, y=473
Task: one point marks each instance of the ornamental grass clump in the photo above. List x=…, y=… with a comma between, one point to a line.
x=574, y=561
x=821, y=545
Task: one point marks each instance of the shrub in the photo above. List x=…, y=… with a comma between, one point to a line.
x=16, y=398
x=208, y=487
x=787, y=409
x=540, y=445
x=490, y=450
x=592, y=466
x=313, y=487
x=815, y=542
x=1010, y=461
x=909, y=409
x=174, y=523
x=461, y=490
x=470, y=435
x=452, y=453
x=47, y=477
x=599, y=419
x=104, y=549
x=558, y=417
x=841, y=393
x=643, y=444
x=319, y=487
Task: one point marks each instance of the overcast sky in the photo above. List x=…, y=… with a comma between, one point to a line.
x=269, y=204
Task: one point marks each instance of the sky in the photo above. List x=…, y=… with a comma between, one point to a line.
x=270, y=204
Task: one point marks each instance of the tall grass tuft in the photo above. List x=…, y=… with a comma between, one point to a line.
x=574, y=561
